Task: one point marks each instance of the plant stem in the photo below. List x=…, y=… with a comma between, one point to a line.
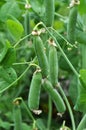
x=28, y=111
x=25, y=106
x=49, y=114
x=60, y=16
x=21, y=63
x=22, y=40
x=69, y=107
x=67, y=42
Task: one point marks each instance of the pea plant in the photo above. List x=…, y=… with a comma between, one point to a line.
x=42, y=65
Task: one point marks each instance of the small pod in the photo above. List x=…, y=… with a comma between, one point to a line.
x=72, y=24
x=55, y=96
x=27, y=23
x=17, y=118
x=82, y=124
x=53, y=65
x=49, y=12
x=34, y=92
x=41, y=55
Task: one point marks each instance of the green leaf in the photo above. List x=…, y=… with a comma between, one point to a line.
x=26, y=127
x=82, y=124
x=81, y=101
x=38, y=6
x=5, y=125
x=73, y=89
x=9, y=8
x=9, y=58
x=7, y=76
x=4, y=45
x=15, y=29
x=82, y=7
x=71, y=56
x=83, y=77
x=40, y=124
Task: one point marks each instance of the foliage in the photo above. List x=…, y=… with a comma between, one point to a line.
x=46, y=38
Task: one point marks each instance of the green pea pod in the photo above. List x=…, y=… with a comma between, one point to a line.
x=17, y=118
x=72, y=24
x=55, y=96
x=49, y=12
x=41, y=55
x=53, y=65
x=34, y=92
x=82, y=123
x=27, y=23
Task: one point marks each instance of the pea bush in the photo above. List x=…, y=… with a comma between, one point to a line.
x=42, y=65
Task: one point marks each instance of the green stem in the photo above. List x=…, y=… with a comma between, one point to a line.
x=64, y=55
x=49, y=114
x=25, y=106
x=28, y=111
x=69, y=107
x=63, y=38
x=60, y=16
x=22, y=40
x=21, y=63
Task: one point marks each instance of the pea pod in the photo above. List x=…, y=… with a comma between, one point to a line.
x=72, y=24
x=53, y=65
x=41, y=55
x=55, y=96
x=49, y=12
x=27, y=23
x=17, y=118
x=34, y=92
x=82, y=123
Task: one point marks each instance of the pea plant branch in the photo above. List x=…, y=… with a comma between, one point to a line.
x=58, y=46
